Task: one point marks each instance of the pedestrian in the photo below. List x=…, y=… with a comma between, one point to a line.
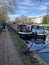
x=3, y=25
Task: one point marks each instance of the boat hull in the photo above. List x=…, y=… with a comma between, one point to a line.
x=25, y=36
x=28, y=36
x=41, y=37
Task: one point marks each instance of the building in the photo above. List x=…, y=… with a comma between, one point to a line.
x=38, y=19
x=25, y=19
x=21, y=19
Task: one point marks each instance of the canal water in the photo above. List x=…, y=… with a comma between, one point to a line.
x=40, y=47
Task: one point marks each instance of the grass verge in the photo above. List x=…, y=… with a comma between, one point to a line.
x=28, y=60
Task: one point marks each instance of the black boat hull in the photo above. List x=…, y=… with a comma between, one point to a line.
x=41, y=37
x=25, y=36
x=32, y=36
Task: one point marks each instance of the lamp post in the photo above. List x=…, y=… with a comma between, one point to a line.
x=47, y=14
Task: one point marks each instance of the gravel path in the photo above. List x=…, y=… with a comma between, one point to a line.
x=8, y=52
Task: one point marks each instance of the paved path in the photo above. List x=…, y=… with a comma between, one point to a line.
x=8, y=53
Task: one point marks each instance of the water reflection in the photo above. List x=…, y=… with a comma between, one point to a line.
x=37, y=44
x=43, y=48
x=45, y=57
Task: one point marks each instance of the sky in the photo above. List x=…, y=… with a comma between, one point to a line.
x=31, y=8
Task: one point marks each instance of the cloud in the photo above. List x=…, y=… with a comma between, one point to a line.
x=22, y=7
x=43, y=8
x=29, y=7
x=32, y=3
x=26, y=0
x=28, y=4
x=46, y=3
x=23, y=12
x=42, y=14
x=25, y=8
x=33, y=8
x=12, y=16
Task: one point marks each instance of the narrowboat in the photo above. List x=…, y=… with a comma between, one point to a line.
x=39, y=32
x=24, y=32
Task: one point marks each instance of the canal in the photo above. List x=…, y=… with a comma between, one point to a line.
x=40, y=47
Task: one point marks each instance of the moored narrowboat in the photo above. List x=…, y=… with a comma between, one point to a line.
x=39, y=32
x=24, y=33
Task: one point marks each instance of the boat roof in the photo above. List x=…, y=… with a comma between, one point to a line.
x=25, y=32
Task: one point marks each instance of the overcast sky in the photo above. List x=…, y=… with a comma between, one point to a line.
x=31, y=7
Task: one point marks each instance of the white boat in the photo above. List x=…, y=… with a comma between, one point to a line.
x=39, y=32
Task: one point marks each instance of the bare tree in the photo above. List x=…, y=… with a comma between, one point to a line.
x=9, y=5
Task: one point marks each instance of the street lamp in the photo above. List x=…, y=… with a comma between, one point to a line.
x=47, y=14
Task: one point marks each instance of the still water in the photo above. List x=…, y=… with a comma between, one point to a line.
x=42, y=47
